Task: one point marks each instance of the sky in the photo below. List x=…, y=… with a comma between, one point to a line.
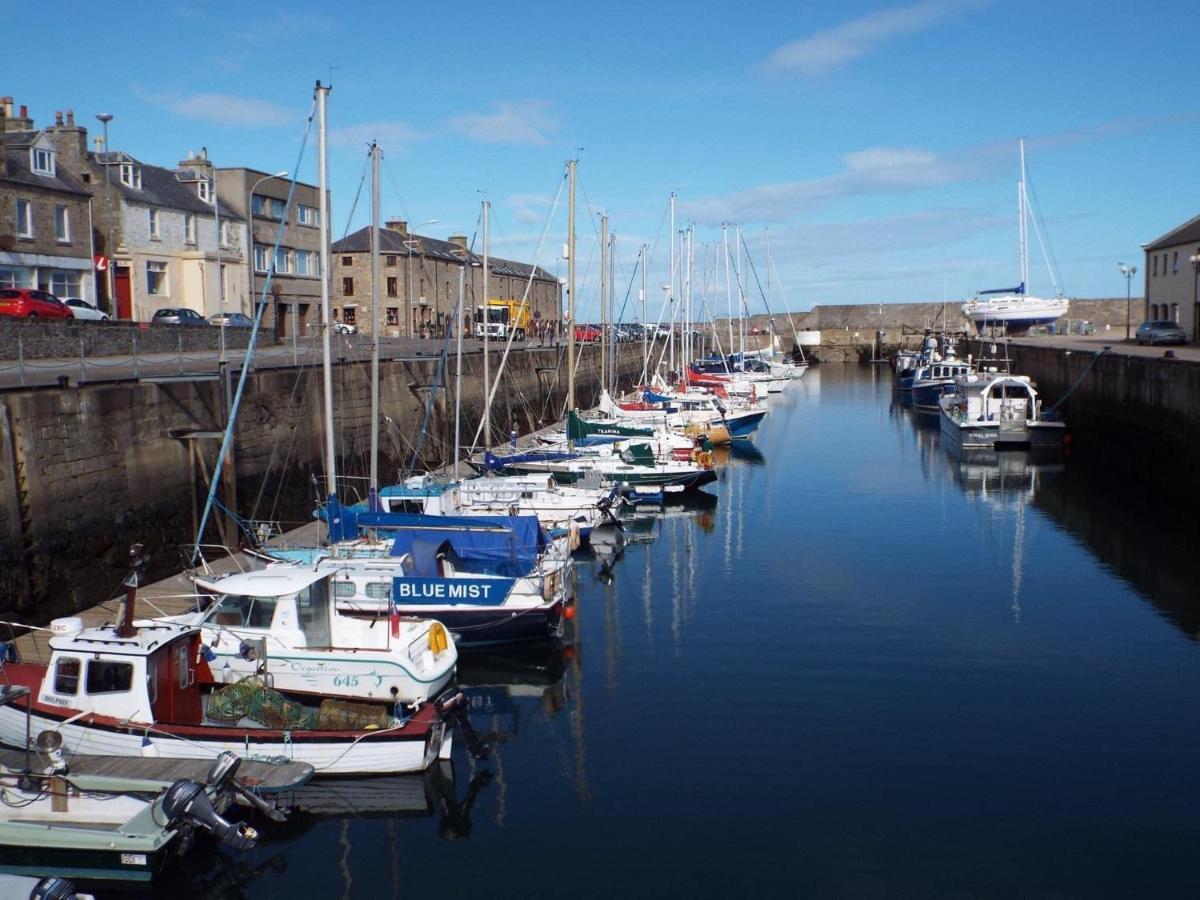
x=872, y=146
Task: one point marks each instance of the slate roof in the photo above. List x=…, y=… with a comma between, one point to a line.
x=161, y=186
x=1187, y=233
x=17, y=170
x=391, y=241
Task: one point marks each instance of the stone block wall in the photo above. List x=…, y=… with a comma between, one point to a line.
x=43, y=339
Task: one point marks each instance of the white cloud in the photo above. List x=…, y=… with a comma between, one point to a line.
x=391, y=135
x=834, y=47
x=509, y=122
x=223, y=109
x=876, y=170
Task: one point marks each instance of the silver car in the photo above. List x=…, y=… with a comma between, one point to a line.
x=1163, y=332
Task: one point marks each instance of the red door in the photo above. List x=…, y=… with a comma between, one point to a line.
x=176, y=695
x=121, y=289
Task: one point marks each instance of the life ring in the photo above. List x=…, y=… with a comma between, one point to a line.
x=437, y=637
x=704, y=459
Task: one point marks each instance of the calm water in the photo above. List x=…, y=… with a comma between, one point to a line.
x=867, y=670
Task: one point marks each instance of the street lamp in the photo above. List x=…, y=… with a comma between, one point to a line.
x=409, y=325
x=105, y=118
x=1128, y=272
x=250, y=233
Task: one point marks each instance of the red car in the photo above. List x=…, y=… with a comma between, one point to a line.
x=586, y=334
x=28, y=303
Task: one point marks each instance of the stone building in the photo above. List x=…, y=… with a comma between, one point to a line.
x=154, y=229
x=1172, y=271
x=261, y=199
x=419, y=281
x=45, y=213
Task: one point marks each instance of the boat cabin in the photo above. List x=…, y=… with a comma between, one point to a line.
x=997, y=398
x=153, y=676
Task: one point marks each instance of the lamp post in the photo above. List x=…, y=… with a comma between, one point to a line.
x=250, y=233
x=105, y=118
x=1128, y=272
x=1194, y=259
x=408, y=247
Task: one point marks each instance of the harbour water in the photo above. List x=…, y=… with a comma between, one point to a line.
x=868, y=669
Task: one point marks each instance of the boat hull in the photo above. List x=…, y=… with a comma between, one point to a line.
x=1038, y=436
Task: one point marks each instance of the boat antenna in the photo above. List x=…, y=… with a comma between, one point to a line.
x=137, y=565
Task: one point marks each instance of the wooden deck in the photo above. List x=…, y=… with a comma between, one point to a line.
x=263, y=778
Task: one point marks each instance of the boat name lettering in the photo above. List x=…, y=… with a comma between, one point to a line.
x=448, y=590
x=345, y=681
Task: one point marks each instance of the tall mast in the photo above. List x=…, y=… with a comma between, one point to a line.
x=645, y=341
x=487, y=321
x=1022, y=233
x=671, y=292
x=326, y=319
x=458, y=327
x=728, y=288
x=603, y=302
x=373, y=486
x=737, y=246
x=571, y=287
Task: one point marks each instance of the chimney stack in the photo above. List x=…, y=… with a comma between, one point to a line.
x=398, y=225
x=58, y=120
x=460, y=239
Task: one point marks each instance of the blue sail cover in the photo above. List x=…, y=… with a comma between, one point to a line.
x=502, y=545
x=1019, y=289
x=650, y=397
x=493, y=463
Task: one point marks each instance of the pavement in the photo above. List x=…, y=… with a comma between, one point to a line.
x=1114, y=340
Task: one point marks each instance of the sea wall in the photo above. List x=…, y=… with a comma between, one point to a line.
x=87, y=471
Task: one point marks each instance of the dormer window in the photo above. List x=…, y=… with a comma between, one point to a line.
x=204, y=189
x=131, y=176
x=41, y=161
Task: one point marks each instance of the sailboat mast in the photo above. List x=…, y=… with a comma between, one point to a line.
x=571, y=287
x=487, y=322
x=326, y=318
x=373, y=486
x=671, y=292
x=645, y=335
x=728, y=288
x=603, y=302
x=1023, y=234
x=458, y=327
x=737, y=246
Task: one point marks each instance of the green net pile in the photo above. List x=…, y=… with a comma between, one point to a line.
x=251, y=699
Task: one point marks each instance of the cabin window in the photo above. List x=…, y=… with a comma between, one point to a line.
x=66, y=675
x=312, y=608
x=343, y=589
x=379, y=590
x=104, y=677
x=238, y=610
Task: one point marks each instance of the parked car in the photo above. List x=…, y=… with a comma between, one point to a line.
x=178, y=315
x=587, y=334
x=231, y=320
x=30, y=303
x=344, y=328
x=1160, y=333
x=81, y=309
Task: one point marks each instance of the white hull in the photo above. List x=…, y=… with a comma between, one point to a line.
x=372, y=753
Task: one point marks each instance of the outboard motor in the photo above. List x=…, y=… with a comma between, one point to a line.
x=187, y=802
x=54, y=889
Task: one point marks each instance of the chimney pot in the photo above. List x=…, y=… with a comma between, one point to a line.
x=58, y=117
x=24, y=111
x=70, y=117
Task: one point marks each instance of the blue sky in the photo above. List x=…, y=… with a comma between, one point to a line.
x=877, y=142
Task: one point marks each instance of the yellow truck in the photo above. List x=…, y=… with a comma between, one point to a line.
x=504, y=317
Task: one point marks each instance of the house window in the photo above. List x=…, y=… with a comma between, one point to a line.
x=66, y=675
x=306, y=215
x=62, y=225
x=1175, y=262
x=105, y=677
x=156, y=278
x=348, y=287
x=393, y=315
x=66, y=284
x=302, y=260
x=261, y=255
x=1175, y=313
x=226, y=234
x=153, y=223
x=1155, y=266
x=24, y=219
x=277, y=208
x=390, y=260
x=258, y=205
x=349, y=315
x=189, y=228
x=283, y=261
x=42, y=161
x=204, y=190
x=347, y=260
x=131, y=176
x=393, y=287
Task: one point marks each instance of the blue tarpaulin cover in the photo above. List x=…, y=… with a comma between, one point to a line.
x=506, y=545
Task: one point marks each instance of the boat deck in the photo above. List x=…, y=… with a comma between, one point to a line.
x=261, y=777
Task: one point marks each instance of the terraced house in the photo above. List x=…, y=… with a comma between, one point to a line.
x=45, y=233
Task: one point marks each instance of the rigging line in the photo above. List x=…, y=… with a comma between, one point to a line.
x=357, y=195
x=550, y=214
x=227, y=439
x=396, y=187
x=1044, y=241
x=787, y=306
x=301, y=374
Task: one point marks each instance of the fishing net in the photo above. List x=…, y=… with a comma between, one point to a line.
x=251, y=699
x=347, y=715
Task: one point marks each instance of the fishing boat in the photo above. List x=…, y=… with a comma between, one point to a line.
x=117, y=827
x=931, y=380
x=1012, y=309
x=146, y=689
x=308, y=646
x=996, y=410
